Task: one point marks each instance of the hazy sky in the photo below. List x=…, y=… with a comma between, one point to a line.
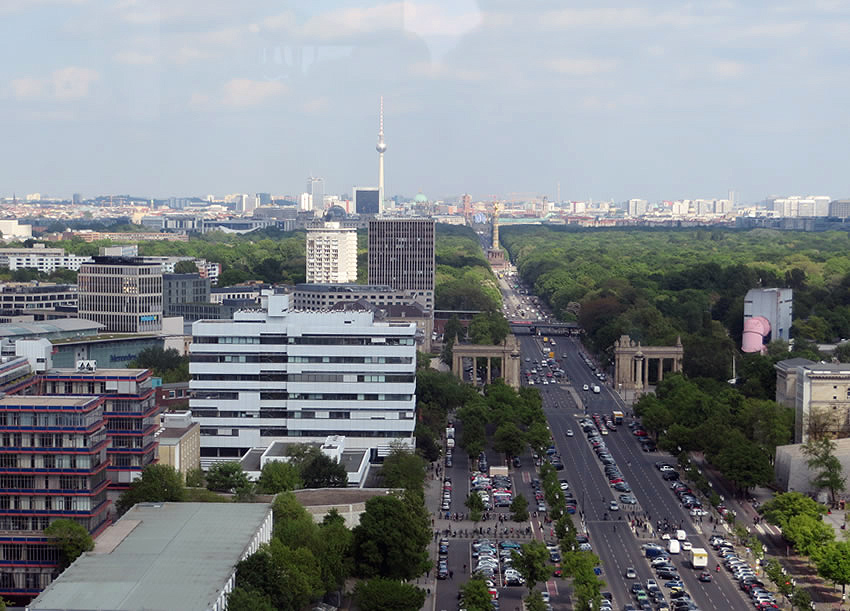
x=642, y=98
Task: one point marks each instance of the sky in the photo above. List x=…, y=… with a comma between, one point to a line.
x=656, y=99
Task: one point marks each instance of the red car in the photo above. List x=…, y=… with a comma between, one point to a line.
x=639, y=433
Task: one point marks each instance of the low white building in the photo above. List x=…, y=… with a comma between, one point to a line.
x=279, y=375
x=40, y=258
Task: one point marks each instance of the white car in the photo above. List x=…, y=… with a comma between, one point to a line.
x=697, y=512
x=687, y=546
x=585, y=387
x=569, y=433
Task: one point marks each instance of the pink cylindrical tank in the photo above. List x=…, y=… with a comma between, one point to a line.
x=755, y=330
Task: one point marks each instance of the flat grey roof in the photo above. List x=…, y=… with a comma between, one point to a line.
x=59, y=325
x=178, y=556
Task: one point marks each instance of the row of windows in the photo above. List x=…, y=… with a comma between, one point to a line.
x=50, y=420
x=217, y=395
x=239, y=377
x=394, y=360
x=50, y=461
x=48, y=482
x=284, y=432
x=270, y=413
x=51, y=440
x=331, y=340
x=238, y=358
x=46, y=503
x=28, y=523
x=347, y=397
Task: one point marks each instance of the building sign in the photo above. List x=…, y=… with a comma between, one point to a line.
x=85, y=366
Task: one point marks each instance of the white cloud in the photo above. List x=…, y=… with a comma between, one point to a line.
x=134, y=58
x=349, y=22
x=72, y=83
x=727, y=69
x=238, y=93
x=436, y=70
x=615, y=18
x=28, y=88
x=65, y=84
x=16, y=6
x=428, y=19
x=316, y=105
x=582, y=66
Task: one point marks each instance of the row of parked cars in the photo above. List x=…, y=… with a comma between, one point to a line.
x=744, y=574
x=652, y=596
x=615, y=477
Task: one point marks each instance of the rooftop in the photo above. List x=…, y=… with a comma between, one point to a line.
x=165, y=559
x=43, y=401
x=346, y=288
x=60, y=325
x=170, y=436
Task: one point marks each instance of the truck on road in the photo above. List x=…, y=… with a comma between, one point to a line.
x=698, y=558
x=618, y=417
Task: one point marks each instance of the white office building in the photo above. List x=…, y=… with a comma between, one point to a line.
x=331, y=254
x=40, y=258
x=279, y=375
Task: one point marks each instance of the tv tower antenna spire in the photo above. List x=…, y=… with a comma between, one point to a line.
x=381, y=147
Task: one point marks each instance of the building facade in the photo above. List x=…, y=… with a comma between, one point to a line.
x=301, y=376
x=122, y=293
x=776, y=306
x=42, y=259
x=401, y=255
x=28, y=295
x=53, y=455
x=367, y=200
x=178, y=289
x=179, y=442
x=324, y=296
x=331, y=254
x=129, y=411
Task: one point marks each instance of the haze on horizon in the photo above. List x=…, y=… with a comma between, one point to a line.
x=653, y=99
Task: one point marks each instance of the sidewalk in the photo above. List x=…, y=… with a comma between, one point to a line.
x=802, y=571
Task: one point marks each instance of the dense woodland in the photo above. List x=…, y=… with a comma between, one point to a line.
x=656, y=285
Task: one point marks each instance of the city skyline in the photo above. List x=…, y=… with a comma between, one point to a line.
x=652, y=100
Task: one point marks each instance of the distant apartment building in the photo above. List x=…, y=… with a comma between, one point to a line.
x=638, y=207
x=54, y=462
x=840, y=208
x=122, y=293
x=284, y=375
x=331, y=254
x=43, y=259
x=809, y=206
x=179, y=289
x=401, y=255
x=36, y=295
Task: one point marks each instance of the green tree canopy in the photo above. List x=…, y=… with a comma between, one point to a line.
x=833, y=563
x=168, y=364
x=391, y=540
x=475, y=595
x=278, y=476
x=531, y=562
x=781, y=508
x=509, y=439
x=71, y=538
x=185, y=267
x=380, y=594
x=158, y=483
x=519, y=508
x=403, y=469
x=227, y=477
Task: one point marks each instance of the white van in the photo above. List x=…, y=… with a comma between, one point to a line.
x=673, y=546
x=680, y=535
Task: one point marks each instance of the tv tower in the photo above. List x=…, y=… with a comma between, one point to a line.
x=381, y=147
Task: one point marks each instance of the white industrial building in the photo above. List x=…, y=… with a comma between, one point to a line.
x=331, y=254
x=275, y=374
